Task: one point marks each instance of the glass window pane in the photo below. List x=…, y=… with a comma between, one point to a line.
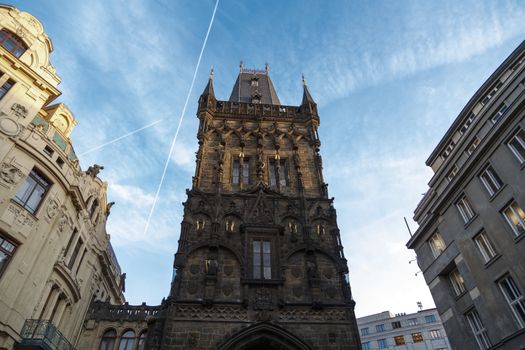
x=25, y=190
x=35, y=199
x=266, y=246
x=267, y=273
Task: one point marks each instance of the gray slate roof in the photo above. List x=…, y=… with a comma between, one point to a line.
x=244, y=90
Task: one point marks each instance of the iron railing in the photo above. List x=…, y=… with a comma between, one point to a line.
x=44, y=334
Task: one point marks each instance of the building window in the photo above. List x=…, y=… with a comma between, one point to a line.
x=7, y=249
x=435, y=334
x=254, y=82
x=75, y=254
x=452, y=173
x=32, y=191
x=12, y=43
x=430, y=318
x=473, y=146
x=366, y=346
x=262, y=259
x=412, y=321
x=465, y=209
x=380, y=328
x=382, y=344
x=277, y=173
x=6, y=87
x=236, y=172
x=396, y=324
x=514, y=298
x=485, y=246
x=364, y=331
x=491, y=180
x=241, y=171
x=502, y=110
x=127, y=341
x=448, y=150
x=417, y=337
x=457, y=282
x=437, y=244
x=399, y=340
x=492, y=93
x=515, y=218
x=142, y=340
x=469, y=121
x=108, y=340
x=517, y=145
x=478, y=329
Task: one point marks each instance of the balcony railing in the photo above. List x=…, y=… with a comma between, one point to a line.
x=44, y=335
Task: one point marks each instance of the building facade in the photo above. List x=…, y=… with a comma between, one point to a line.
x=469, y=243
x=55, y=254
x=260, y=263
x=421, y=330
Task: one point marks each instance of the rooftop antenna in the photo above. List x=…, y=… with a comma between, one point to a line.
x=420, y=305
x=406, y=223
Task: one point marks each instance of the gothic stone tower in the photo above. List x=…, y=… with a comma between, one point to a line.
x=260, y=263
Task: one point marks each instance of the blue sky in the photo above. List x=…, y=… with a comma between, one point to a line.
x=389, y=78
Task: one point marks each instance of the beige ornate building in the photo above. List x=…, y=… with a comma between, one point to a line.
x=55, y=254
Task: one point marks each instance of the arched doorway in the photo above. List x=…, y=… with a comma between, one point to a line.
x=264, y=336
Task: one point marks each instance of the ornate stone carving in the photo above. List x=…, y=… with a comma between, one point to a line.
x=9, y=126
x=312, y=315
x=211, y=313
x=262, y=300
x=63, y=223
x=9, y=174
x=21, y=216
x=19, y=111
x=52, y=208
x=94, y=170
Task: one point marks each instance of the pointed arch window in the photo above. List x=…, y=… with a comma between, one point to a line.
x=127, y=341
x=142, y=340
x=108, y=340
x=12, y=43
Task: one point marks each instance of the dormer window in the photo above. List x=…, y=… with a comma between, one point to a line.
x=12, y=43
x=254, y=81
x=256, y=97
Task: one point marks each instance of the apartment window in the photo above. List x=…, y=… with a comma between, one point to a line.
x=7, y=249
x=262, y=256
x=364, y=331
x=399, y=340
x=412, y=321
x=32, y=191
x=448, y=150
x=492, y=93
x=514, y=298
x=380, y=328
x=435, y=334
x=277, y=173
x=478, y=329
x=396, y=324
x=485, y=246
x=12, y=43
x=382, y=344
x=366, y=346
x=430, y=318
x=502, y=110
x=474, y=144
x=452, y=173
x=457, y=282
x=469, y=121
x=127, y=341
x=515, y=218
x=6, y=87
x=108, y=340
x=465, y=209
x=491, y=180
x=437, y=244
x=417, y=337
x=517, y=145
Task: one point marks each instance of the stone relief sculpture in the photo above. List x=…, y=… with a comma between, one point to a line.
x=9, y=174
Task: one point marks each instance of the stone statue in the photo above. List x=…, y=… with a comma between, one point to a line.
x=94, y=170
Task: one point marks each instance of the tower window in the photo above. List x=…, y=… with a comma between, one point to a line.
x=241, y=171
x=12, y=43
x=254, y=82
x=262, y=259
x=277, y=173
x=32, y=191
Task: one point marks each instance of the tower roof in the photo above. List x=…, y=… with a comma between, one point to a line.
x=254, y=86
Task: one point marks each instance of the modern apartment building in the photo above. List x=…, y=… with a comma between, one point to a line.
x=420, y=330
x=469, y=243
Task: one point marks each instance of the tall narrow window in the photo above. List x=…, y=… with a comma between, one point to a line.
x=437, y=244
x=7, y=249
x=491, y=180
x=108, y=340
x=6, y=87
x=465, y=209
x=515, y=218
x=457, y=282
x=500, y=113
x=479, y=330
x=32, y=191
x=517, y=145
x=127, y=341
x=272, y=174
x=262, y=259
x=75, y=253
x=514, y=298
x=246, y=171
x=435, y=334
x=485, y=246
x=12, y=43
x=142, y=340
x=236, y=169
x=278, y=173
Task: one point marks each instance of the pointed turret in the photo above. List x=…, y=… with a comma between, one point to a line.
x=208, y=95
x=308, y=104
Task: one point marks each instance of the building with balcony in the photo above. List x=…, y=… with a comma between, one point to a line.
x=420, y=330
x=469, y=243
x=55, y=254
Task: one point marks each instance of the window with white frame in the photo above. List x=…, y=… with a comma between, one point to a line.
x=452, y=173
x=515, y=218
x=490, y=180
x=7, y=250
x=479, y=330
x=517, y=145
x=412, y=321
x=448, y=150
x=437, y=244
x=485, y=247
x=469, y=121
x=491, y=94
x=262, y=259
x=457, y=282
x=514, y=298
x=435, y=334
x=31, y=193
x=465, y=209
x=500, y=113
x=473, y=145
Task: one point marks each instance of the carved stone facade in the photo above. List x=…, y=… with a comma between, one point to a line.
x=260, y=262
